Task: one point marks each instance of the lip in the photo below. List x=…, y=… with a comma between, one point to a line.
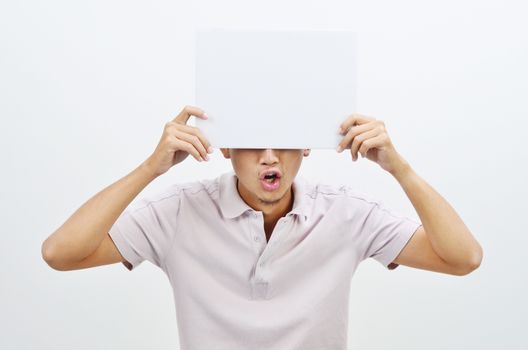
x=270, y=186
x=263, y=173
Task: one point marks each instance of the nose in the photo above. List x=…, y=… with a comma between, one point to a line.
x=269, y=156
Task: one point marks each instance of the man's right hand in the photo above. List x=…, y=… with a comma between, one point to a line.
x=178, y=141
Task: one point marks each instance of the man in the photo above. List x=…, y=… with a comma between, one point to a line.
x=260, y=258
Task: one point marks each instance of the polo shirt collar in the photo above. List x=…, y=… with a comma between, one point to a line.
x=232, y=205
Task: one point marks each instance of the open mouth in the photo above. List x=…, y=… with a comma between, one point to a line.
x=270, y=180
x=270, y=177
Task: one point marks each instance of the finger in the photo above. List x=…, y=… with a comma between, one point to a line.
x=195, y=131
x=188, y=147
x=360, y=139
x=354, y=131
x=354, y=119
x=194, y=140
x=186, y=113
x=375, y=142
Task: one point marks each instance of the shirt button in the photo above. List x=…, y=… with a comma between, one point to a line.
x=256, y=238
x=262, y=264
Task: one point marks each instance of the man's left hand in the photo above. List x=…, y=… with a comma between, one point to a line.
x=369, y=138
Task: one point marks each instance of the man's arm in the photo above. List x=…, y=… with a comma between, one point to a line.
x=83, y=233
x=443, y=243
x=83, y=240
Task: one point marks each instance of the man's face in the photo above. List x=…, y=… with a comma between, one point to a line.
x=253, y=167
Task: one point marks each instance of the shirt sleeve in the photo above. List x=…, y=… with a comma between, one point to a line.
x=144, y=231
x=386, y=233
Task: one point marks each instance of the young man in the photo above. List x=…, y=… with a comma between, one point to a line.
x=260, y=258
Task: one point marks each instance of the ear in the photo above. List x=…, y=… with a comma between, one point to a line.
x=225, y=152
x=306, y=152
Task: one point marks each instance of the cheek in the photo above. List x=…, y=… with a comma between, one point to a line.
x=295, y=161
x=243, y=166
x=294, y=165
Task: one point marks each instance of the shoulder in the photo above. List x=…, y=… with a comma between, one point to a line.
x=322, y=199
x=174, y=194
x=342, y=192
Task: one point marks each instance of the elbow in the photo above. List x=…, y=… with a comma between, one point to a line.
x=46, y=250
x=49, y=255
x=473, y=263
x=477, y=258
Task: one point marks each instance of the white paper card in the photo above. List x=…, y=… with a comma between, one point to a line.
x=275, y=89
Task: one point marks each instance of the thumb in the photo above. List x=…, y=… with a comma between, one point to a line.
x=186, y=113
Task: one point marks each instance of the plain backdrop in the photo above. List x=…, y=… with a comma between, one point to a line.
x=86, y=88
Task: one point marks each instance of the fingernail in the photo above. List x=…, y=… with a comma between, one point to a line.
x=210, y=149
x=205, y=115
x=206, y=157
x=339, y=148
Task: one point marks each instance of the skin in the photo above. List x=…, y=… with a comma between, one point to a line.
x=248, y=163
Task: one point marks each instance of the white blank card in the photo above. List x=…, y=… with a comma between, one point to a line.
x=275, y=89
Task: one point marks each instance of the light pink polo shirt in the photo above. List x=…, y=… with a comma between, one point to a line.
x=232, y=289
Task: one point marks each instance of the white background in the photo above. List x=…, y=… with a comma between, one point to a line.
x=85, y=90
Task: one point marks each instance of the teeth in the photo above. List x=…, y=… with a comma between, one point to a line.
x=270, y=177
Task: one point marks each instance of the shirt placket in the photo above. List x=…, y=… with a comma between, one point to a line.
x=259, y=280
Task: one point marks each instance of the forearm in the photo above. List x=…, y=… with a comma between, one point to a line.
x=84, y=231
x=449, y=236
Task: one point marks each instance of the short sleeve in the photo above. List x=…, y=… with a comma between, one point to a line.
x=144, y=231
x=386, y=233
